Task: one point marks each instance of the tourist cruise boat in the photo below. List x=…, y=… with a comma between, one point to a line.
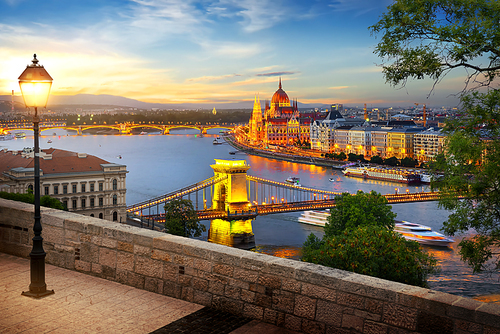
x=410, y=231
x=294, y=181
x=422, y=234
x=382, y=173
x=315, y=217
x=20, y=135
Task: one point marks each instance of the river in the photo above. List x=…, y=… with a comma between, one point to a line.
x=160, y=164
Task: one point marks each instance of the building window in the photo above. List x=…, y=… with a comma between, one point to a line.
x=91, y=187
x=46, y=189
x=56, y=190
x=115, y=199
x=30, y=188
x=115, y=216
x=74, y=204
x=83, y=203
x=100, y=186
x=115, y=184
x=92, y=202
x=74, y=188
x=101, y=201
x=65, y=189
x=83, y=187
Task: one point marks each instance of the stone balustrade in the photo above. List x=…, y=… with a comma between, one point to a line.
x=292, y=294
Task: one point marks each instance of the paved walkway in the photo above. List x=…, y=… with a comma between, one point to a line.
x=87, y=304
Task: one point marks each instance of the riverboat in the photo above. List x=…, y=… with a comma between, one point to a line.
x=7, y=136
x=410, y=231
x=315, y=217
x=294, y=180
x=381, y=173
x=421, y=234
x=20, y=135
x=217, y=142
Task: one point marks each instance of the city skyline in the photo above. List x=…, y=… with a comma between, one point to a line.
x=218, y=52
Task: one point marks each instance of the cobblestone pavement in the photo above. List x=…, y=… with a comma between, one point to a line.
x=87, y=304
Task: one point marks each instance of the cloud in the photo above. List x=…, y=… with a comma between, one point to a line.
x=275, y=74
x=339, y=87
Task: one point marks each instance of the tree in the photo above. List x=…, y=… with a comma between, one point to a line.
x=392, y=161
x=409, y=162
x=470, y=185
x=181, y=219
x=373, y=251
x=45, y=200
x=376, y=159
x=359, y=237
x=429, y=38
x=360, y=210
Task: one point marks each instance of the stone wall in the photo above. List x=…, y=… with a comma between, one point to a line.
x=292, y=294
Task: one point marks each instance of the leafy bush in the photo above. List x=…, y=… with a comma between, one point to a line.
x=181, y=219
x=373, y=251
x=45, y=201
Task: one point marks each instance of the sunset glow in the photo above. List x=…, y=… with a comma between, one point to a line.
x=197, y=52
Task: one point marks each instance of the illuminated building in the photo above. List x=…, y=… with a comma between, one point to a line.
x=428, y=143
x=85, y=184
x=323, y=132
x=282, y=123
x=400, y=142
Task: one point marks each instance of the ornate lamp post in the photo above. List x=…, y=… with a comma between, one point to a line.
x=35, y=85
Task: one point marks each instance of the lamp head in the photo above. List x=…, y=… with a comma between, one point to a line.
x=35, y=83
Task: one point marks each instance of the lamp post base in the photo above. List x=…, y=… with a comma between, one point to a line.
x=38, y=294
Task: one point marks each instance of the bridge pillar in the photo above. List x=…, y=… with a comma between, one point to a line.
x=79, y=132
x=124, y=129
x=165, y=130
x=203, y=130
x=231, y=194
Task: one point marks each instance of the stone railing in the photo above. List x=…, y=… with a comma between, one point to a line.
x=292, y=294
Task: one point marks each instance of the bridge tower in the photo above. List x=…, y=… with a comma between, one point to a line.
x=231, y=195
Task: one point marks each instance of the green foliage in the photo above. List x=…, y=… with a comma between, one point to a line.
x=470, y=186
x=340, y=156
x=409, y=162
x=392, y=161
x=45, y=201
x=181, y=219
x=359, y=237
x=377, y=160
x=362, y=209
x=373, y=251
x=355, y=157
x=429, y=38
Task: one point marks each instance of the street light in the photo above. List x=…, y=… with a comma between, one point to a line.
x=35, y=85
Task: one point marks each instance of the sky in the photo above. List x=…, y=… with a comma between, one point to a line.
x=225, y=51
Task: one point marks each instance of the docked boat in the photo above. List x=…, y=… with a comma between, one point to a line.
x=294, y=181
x=385, y=174
x=20, y=135
x=421, y=234
x=315, y=217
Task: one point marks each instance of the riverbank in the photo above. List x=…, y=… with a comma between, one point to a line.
x=284, y=156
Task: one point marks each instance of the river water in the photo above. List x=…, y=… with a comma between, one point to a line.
x=160, y=164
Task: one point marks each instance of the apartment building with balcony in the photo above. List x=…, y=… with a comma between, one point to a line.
x=84, y=183
x=428, y=143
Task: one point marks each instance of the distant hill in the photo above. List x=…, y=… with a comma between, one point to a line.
x=119, y=101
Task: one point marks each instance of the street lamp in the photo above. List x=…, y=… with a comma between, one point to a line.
x=35, y=85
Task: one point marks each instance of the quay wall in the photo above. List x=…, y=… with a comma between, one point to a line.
x=292, y=294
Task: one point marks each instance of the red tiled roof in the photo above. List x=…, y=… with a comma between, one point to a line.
x=62, y=162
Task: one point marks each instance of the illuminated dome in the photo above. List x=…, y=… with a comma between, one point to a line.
x=280, y=98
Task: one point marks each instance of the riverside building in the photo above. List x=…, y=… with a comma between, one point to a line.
x=84, y=183
x=281, y=124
